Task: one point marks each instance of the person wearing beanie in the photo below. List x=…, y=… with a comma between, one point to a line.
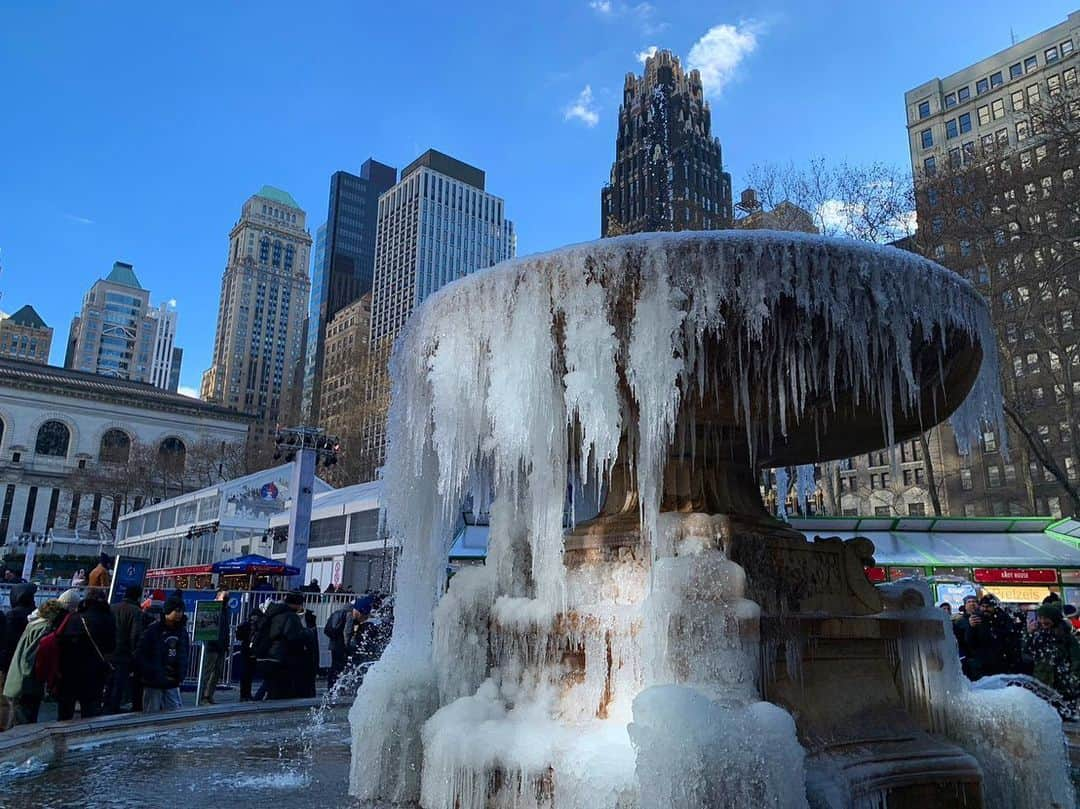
x=340, y=628
x=1055, y=651
x=86, y=642
x=70, y=599
x=21, y=597
x=161, y=659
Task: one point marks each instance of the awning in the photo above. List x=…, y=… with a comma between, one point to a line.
x=253, y=564
x=958, y=549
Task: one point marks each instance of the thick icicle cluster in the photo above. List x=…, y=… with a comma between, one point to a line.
x=516, y=374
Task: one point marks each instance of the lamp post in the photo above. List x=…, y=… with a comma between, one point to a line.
x=304, y=446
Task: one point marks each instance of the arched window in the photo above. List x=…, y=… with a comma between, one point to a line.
x=115, y=447
x=172, y=454
x=53, y=438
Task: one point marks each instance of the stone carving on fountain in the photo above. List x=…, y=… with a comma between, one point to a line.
x=683, y=648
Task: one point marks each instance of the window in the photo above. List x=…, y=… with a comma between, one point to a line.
x=954, y=157
x=1030, y=64
x=1066, y=47
x=115, y=447
x=963, y=94
x=1023, y=131
x=882, y=511
x=950, y=100
x=993, y=476
x=1050, y=55
x=1017, y=97
x=1053, y=506
x=965, y=480
x=996, y=79
x=987, y=145
x=1002, y=138
x=1053, y=86
x=969, y=150
x=1016, y=71
x=982, y=86
x=950, y=128
x=1033, y=94
x=172, y=454
x=998, y=108
x=929, y=166
x=53, y=438
x=924, y=109
x=969, y=509
x=916, y=509
x=989, y=441
x=927, y=138
x=984, y=114
x=1010, y=473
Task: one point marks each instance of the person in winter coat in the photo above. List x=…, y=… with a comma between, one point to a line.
x=246, y=634
x=215, y=650
x=339, y=628
x=22, y=604
x=129, y=629
x=86, y=644
x=989, y=637
x=100, y=575
x=21, y=687
x=307, y=673
x=161, y=659
x=284, y=656
x=1055, y=651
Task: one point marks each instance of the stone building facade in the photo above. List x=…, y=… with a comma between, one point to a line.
x=668, y=173
x=60, y=428
x=25, y=336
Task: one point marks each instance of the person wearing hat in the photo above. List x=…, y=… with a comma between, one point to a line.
x=1055, y=651
x=340, y=628
x=161, y=659
x=21, y=597
x=70, y=599
x=87, y=643
x=284, y=660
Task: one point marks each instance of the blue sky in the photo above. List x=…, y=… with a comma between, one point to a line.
x=135, y=131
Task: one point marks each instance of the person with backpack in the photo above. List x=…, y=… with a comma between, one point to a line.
x=22, y=686
x=129, y=628
x=281, y=647
x=22, y=604
x=86, y=642
x=161, y=659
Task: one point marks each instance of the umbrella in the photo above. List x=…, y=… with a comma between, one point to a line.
x=253, y=564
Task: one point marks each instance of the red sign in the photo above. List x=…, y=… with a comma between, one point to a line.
x=1012, y=575
x=875, y=574
x=189, y=570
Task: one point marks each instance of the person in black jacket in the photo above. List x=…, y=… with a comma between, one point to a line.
x=988, y=639
x=129, y=629
x=86, y=644
x=162, y=659
x=339, y=628
x=22, y=604
x=283, y=659
x=246, y=633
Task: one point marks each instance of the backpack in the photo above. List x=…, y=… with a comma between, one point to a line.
x=47, y=658
x=260, y=638
x=335, y=625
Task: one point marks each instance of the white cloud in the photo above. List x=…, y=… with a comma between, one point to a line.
x=78, y=220
x=838, y=217
x=719, y=53
x=645, y=54
x=184, y=390
x=583, y=109
x=601, y=6
x=641, y=14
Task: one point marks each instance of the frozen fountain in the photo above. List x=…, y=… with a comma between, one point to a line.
x=681, y=649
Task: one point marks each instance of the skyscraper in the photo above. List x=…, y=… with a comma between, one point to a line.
x=259, y=338
x=435, y=225
x=668, y=173
x=25, y=336
x=344, y=264
x=118, y=334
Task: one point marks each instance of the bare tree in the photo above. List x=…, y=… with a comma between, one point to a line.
x=1006, y=214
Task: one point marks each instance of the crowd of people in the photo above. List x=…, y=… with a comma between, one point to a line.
x=995, y=639
x=94, y=658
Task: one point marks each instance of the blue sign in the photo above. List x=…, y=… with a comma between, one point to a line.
x=127, y=571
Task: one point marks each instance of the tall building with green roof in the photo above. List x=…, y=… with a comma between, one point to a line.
x=257, y=364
